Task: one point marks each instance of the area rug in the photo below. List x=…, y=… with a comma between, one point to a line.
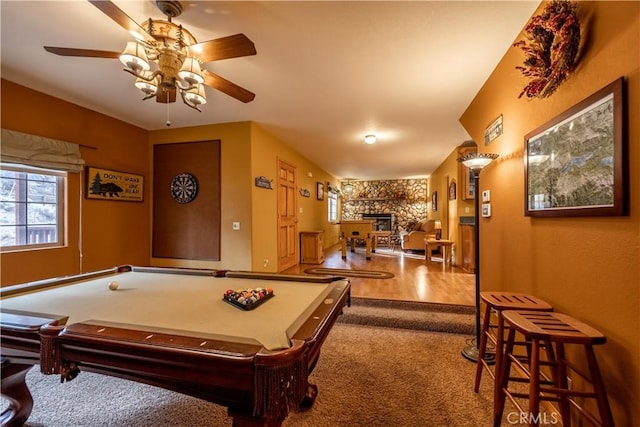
x=369, y=274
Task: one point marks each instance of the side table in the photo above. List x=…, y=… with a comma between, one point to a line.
x=386, y=235
x=434, y=244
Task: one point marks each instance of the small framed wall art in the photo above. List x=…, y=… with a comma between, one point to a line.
x=104, y=184
x=319, y=190
x=452, y=189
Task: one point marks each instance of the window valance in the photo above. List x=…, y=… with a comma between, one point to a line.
x=38, y=151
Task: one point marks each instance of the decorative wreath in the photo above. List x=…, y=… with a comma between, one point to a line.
x=553, y=41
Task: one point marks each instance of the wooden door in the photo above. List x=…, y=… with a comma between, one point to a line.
x=287, y=216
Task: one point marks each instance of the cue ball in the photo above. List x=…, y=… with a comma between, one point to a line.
x=113, y=285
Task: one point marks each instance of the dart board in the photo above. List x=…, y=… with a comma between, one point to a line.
x=184, y=188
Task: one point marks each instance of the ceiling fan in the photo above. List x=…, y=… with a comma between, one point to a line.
x=175, y=53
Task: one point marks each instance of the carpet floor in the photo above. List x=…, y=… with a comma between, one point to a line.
x=375, y=375
x=421, y=316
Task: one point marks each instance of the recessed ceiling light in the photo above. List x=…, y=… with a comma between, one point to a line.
x=370, y=139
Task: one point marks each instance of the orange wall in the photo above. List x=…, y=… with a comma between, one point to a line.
x=235, y=143
x=101, y=233
x=312, y=213
x=450, y=169
x=585, y=267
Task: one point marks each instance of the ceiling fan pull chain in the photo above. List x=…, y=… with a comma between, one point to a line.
x=168, y=121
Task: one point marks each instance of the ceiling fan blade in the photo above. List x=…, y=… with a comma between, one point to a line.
x=166, y=96
x=226, y=47
x=90, y=53
x=225, y=86
x=122, y=19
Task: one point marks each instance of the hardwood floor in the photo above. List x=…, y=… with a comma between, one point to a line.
x=414, y=280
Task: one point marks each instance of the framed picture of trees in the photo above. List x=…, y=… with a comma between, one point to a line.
x=106, y=184
x=574, y=164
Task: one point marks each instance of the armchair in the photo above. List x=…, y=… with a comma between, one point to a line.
x=414, y=239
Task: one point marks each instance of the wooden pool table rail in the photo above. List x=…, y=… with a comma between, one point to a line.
x=57, y=281
x=258, y=386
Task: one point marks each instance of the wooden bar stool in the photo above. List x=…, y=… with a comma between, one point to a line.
x=552, y=331
x=498, y=302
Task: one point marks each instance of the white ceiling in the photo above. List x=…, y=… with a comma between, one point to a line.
x=326, y=73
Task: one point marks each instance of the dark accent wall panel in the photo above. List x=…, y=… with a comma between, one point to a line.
x=187, y=230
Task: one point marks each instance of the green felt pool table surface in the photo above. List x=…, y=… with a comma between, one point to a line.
x=171, y=328
x=179, y=303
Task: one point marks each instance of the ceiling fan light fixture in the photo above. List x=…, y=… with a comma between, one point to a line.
x=348, y=188
x=134, y=57
x=166, y=59
x=370, y=139
x=191, y=72
x=195, y=96
x=147, y=85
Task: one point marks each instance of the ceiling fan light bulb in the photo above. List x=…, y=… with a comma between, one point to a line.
x=191, y=72
x=134, y=57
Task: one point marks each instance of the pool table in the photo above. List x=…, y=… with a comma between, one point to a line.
x=171, y=328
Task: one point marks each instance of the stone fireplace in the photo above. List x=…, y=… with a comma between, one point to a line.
x=396, y=203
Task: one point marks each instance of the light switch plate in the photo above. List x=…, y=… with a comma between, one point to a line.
x=486, y=196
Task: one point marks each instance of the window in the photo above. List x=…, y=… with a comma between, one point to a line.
x=31, y=207
x=333, y=206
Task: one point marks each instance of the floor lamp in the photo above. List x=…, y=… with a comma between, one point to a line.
x=476, y=162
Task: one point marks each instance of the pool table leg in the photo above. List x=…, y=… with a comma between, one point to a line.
x=310, y=398
x=242, y=420
x=14, y=389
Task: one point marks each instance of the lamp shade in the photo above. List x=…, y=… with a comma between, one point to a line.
x=477, y=161
x=438, y=227
x=134, y=57
x=191, y=72
x=196, y=96
x=149, y=87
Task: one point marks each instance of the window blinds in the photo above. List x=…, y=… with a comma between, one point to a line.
x=38, y=151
